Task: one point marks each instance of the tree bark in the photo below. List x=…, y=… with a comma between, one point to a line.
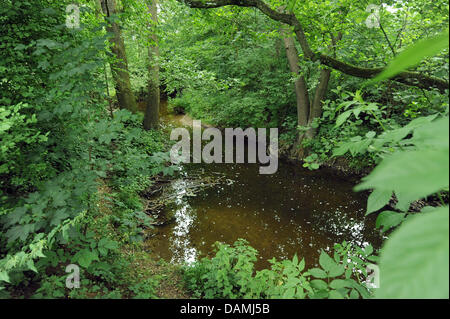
x=316, y=108
x=321, y=90
x=119, y=68
x=301, y=89
x=151, y=118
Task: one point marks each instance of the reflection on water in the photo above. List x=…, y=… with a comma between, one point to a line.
x=180, y=243
x=294, y=211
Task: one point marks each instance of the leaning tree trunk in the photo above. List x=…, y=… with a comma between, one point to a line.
x=301, y=89
x=119, y=68
x=316, y=108
x=321, y=90
x=151, y=118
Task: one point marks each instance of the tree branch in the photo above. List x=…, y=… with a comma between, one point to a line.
x=409, y=78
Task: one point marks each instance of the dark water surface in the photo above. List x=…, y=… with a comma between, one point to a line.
x=295, y=211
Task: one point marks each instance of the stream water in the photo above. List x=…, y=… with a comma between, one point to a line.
x=295, y=211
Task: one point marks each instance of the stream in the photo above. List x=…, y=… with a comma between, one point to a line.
x=295, y=211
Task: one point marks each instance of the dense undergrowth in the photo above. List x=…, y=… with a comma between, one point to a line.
x=230, y=274
x=71, y=176
x=72, y=169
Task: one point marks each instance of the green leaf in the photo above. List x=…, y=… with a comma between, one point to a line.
x=371, y=134
x=289, y=293
x=415, y=260
x=301, y=265
x=105, y=244
x=414, y=174
x=377, y=200
x=318, y=273
x=339, y=283
x=413, y=55
x=354, y=294
x=330, y=266
x=342, y=118
x=326, y=261
x=59, y=216
x=85, y=257
x=4, y=276
x=21, y=231
x=389, y=219
x=368, y=250
x=337, y=271
x=295, y=260
x=16, y=215
x=434, y=134
x=321, y=294
x=335, y=295
x=31, y=266
x=319, y=284
x=341, y=150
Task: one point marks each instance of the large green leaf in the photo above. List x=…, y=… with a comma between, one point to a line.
x=20, y=231
x=326, y=261
x=342, y=118
x=414, y=174
x=85, y=257
x=319, y=284
x=389, y=219
x=377, y=200
x=417, y=173
x=434, y=134
x=318, y=273
x=414, y=54
x=340, y=283
x=330, y=266
x=415, y=260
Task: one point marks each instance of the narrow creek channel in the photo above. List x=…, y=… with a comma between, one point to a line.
x=295, y=211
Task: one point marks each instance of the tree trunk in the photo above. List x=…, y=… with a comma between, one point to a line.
x=321, y=90
x=119, y=68
x=301, y=89
x=316, y=109
x=151, y=118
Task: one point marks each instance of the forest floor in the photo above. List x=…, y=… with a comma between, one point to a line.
x=168, y=277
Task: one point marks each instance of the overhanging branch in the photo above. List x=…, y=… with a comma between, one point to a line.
x=409, y=78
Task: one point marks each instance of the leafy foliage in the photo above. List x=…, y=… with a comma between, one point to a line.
x=59, y=145
x=414, y=261
x=72, y=167
x=230, y=274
